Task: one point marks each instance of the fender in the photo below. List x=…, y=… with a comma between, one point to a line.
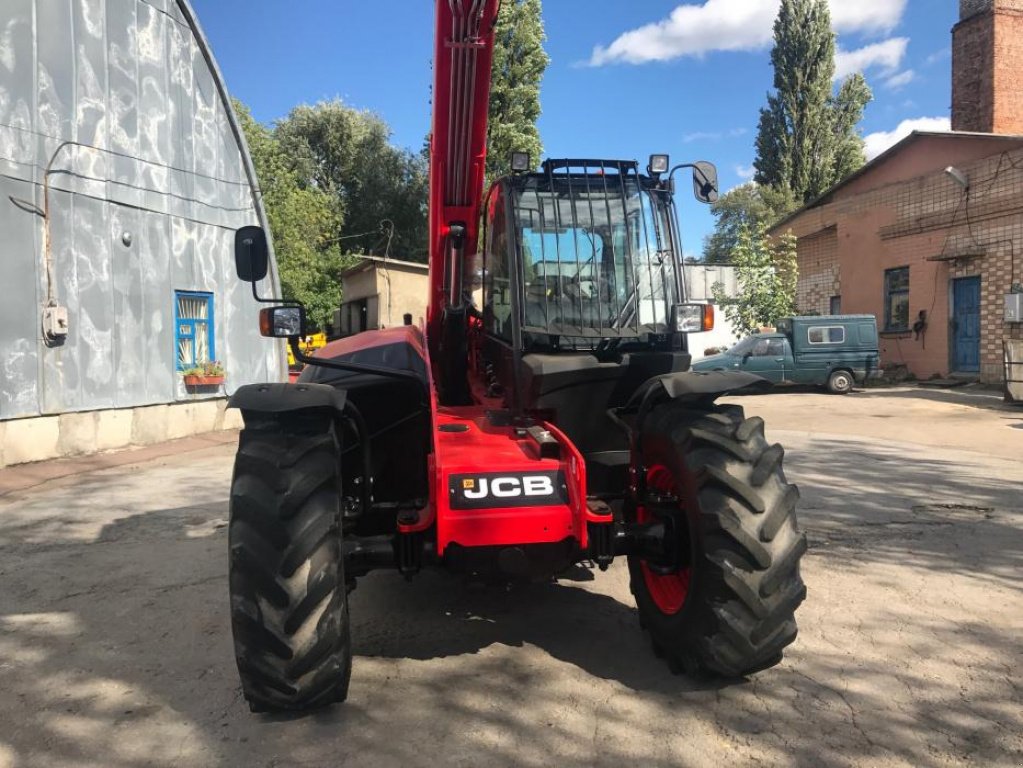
x=288, y=398
x=697, y=387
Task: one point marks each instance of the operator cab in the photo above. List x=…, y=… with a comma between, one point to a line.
x=579, y=292
x=581, y=257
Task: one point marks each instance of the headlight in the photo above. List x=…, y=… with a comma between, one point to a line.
x=694, y=318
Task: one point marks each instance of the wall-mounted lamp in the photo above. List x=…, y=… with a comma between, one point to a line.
x=958, y=176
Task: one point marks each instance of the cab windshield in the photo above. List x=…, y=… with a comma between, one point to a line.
x=596, y=255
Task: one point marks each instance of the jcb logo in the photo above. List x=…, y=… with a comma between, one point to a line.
x=510, y=487
x=495, y=491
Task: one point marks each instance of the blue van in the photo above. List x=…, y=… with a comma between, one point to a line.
x=836, y=352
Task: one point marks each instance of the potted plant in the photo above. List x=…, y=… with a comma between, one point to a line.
x=209, y=374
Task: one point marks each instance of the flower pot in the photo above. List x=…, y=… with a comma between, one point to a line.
x=203, y=381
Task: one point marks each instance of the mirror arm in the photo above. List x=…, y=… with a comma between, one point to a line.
x=278, y=302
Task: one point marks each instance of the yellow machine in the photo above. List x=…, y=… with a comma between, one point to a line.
x=309, y=345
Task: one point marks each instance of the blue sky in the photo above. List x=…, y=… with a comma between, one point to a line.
x=626, y=78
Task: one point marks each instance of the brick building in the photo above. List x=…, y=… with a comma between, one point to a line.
x=928, y=236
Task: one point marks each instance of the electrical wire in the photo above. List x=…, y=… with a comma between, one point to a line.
x=116, y=153
x=129, y=185
x=131, y=206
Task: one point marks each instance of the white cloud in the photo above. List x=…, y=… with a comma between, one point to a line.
x=876, y=143
x=866, y=15
x=746, y=173
x=886, y=56
x=900, y=80
x=689, y=138
x=733, y=25
x=734, y=133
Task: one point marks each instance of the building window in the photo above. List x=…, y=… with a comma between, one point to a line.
x=896, y=299
x=836, y=305
x=193, y=328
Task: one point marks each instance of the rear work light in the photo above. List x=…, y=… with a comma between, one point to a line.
x=694, y=318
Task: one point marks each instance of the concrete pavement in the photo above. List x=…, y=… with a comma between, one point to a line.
x=115, y=645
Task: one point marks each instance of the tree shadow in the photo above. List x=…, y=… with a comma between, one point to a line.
x=876, y=503
x=974, y=397
x=115, y=646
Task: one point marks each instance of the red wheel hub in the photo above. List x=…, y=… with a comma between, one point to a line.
x=669, y=591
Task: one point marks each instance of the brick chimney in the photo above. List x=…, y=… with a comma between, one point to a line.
x=987, y=67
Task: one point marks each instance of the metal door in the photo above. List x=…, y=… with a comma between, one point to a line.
x=966, y=325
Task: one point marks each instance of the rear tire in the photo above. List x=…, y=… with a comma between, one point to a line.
x=840, y=383
x=289, y=605
x=731, y=609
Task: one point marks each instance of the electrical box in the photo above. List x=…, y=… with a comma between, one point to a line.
x=55, y=325
x=1014, y=308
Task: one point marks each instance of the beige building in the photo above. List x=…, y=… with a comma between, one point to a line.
x=928, y=237
x=378, y=293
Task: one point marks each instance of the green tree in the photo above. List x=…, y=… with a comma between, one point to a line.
x=748, y=205
x=807, y=139
x=381, y=189
x=767, y=274
x=519, y=65
x=305, y=222
x=847, y=110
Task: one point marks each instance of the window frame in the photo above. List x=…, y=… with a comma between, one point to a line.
x=828, y=342
x=193, y=324
x=889, y=293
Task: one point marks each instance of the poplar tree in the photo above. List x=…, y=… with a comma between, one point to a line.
x=807, y=139
x=519, y=65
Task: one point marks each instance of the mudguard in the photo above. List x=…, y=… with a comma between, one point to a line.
x=700, y=387
x=286, y=398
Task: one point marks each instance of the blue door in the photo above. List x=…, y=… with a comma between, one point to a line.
x=966, y=325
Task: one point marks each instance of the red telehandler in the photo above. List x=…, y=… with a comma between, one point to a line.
x=545, y=416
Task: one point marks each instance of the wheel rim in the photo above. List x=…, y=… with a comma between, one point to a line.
x=668, y=592
x=842, y=382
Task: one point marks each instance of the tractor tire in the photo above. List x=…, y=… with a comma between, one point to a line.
x=840, y=383
x=729, y=610
x=289, y=604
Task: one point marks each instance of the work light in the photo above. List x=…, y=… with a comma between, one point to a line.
x=659, y=164
x=521, y=162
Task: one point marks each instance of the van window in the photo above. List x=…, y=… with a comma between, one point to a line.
x=832, y=334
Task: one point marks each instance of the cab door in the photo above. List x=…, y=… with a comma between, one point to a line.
x=766, y=359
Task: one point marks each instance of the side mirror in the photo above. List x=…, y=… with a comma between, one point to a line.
x=251, y=254
x=282, y=322
x=705, y=182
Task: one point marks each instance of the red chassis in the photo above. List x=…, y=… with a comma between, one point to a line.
x=475, y=453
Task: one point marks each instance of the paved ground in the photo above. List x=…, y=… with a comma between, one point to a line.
x=115, y=649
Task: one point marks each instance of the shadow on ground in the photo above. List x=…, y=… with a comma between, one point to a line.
x=115, y=647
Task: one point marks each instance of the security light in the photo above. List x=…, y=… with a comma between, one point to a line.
x=958, y=176
x=658, y=164
x=521, y=162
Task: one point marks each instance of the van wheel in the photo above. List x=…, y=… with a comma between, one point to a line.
x=840, y=383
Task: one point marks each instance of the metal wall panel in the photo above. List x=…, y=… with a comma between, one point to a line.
x=149, y=183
